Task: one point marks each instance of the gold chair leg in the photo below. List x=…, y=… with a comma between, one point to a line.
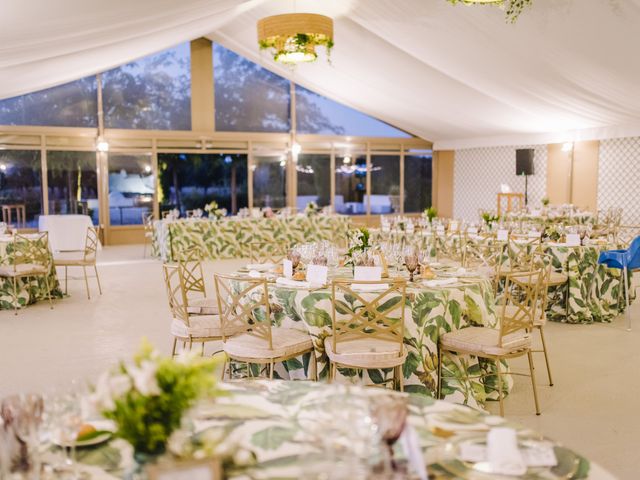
x=95, y=268
x=533, y=382
x=439, y=384
x=46, y=282
x=173, y=348
x=15, y=296
x=66, y=280
x=86, y=281
x=271, y=366
x=546, y=356
x=202, y=350
x=500, y=399
x=190, y=343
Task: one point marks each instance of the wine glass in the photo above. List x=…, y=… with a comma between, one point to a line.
x=389, y=413
x=66, y=419
x=294, y=256
x=27, y=427
x=423, y=258
x=411, y=260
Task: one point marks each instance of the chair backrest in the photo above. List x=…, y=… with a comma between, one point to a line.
x=147, y=221
x=521, y=291
x=176, y=293
x=357, y=314
x=268, y=252
x=91, y=244
x=483, y=251
x=190, y=262
x=243, y=305
x=633, y=254
x=32, y=249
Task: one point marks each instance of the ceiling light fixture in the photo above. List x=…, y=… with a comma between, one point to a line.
x=293, y=37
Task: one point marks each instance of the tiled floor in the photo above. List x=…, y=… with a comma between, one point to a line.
x=593, y=406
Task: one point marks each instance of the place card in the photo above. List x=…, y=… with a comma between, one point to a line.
x=573, y=239
x=287, y=268
x=208, y=469
x=503, y=235
x=472, y=230
x=411, y=228
x=440, y=230
x=453, y=226
x=373, y=274
x=317, y=274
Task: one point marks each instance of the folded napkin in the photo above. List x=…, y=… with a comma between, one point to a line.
x=441, y=282
x=261, y=267
x=288, y=282
x=369, y=287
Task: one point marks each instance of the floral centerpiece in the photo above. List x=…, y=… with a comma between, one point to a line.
x=430, y=213
x=311, y=209
x=489, y=219
x=545, y=201
x=359, y=243
x=214, y=211
x=147, y=397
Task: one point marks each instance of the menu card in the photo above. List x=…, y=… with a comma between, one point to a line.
x=287, y=268
x=317, y=274
x=373, y=274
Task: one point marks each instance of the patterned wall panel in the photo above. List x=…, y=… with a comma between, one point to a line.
x=478, y=173
x=619, y=177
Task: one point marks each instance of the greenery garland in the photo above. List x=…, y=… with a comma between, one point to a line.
x=512, y=8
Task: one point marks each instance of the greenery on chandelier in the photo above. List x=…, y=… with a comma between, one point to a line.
x=512, y=8
x=302, y=43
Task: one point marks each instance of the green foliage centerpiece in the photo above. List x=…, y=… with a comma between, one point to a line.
x=311, y=209
x=430, y=213
x=147, y=397
x=358, y=243
x=489, y=219
x=214, y=211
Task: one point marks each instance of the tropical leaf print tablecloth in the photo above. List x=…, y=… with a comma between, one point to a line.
x=292, y=430
x=30, y=290
x=430, y=312
x=230, y=237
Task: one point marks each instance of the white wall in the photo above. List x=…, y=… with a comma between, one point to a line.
x=478, y=173
x=619, y=177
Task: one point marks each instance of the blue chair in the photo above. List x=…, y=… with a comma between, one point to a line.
x=625, y=260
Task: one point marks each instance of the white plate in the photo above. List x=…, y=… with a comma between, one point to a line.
x=98, y=425
x=261, y=267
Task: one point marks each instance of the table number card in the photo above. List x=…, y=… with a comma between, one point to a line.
x=287, y=268
x=503, y=235
x=453, y=226
x=472, y=230
x=411, y=228
x=373, y=274
x=192, y=470
x=440, y=230
x=573, y=239
x=317, y=274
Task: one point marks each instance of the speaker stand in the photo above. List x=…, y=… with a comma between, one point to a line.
x=526, y=188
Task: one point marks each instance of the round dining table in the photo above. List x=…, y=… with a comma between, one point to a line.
x=434, y=307
x=288, y=430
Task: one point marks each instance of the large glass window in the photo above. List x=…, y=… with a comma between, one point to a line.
x=72, y=104
x=385, y=184
x=131, y=187
x=316, y=114
x=188, y=182
x=72, y=182
x=418, y=179
x=269, y=181
x=248, y=98
x=314, y=180
x=351, y=184
x=153, y=93
x=21, y=184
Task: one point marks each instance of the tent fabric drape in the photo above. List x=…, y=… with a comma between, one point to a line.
x=460, y=76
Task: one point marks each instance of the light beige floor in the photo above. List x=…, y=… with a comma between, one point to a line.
x=593, y=406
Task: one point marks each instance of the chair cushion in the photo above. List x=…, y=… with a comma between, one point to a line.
x=76, y=258
x=199, y=326
x=287, y=342
x=484, y=340
x=22, y=269
x=202, y=306
x=366, y=352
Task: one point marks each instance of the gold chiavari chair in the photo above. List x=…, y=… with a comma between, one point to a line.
x=268, y=252
x=371, y=335
x=185, y=327
x=190, y=262
x=517, y=256
x=512, y=338
x=147, y=222
x=29, y=257
x=481, y=252
x=244, y=308
x=81, y=258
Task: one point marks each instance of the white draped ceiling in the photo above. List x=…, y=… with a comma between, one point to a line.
x=457, y=75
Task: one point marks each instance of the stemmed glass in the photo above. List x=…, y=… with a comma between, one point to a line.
x=65, y=413
x=389, y=413
x=294, y=256
x=24, y=414
x=424, y=256
x=411, y=261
